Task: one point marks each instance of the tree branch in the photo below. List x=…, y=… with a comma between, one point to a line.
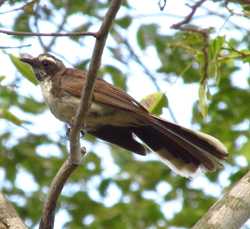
x=49, y=209
x=60, y=27
x=49, y=34
x=8, y=215
x=1, y=2
x=189, y=17
x=203, y=32
x=90, y=81
x=16, y=47
x=19, y=8
x=146, y=70
x=232, y=211
x=162, y=6
x=47, y=220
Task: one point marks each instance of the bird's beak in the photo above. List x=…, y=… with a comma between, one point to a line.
x=27, y=60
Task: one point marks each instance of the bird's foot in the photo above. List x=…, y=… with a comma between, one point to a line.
x=71, y=124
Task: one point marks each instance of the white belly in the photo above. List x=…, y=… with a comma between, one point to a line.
x=99, y=114
x=63, y=108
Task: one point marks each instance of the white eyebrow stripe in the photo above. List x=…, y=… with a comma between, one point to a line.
x=41, y=58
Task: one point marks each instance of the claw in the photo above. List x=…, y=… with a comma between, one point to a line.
x=71, y=123
x=68, y=133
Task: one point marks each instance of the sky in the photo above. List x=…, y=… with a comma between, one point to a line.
x=146, y=11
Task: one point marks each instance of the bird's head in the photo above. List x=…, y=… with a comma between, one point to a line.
x=44, y=66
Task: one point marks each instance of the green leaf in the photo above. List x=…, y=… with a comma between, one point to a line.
x=246, y=60
x=161, y=44
x=104, y=186
x=124, y=22
x=21, y=23
x=215, y=46
x=140, y=39
x=230, y=62
x=188, y=38
x=208, y=95
x=217, y=75
x=245, y=150
x=202, y=100
x=155, y=102
x=24, y=69
x=2, y=78
x=119, y=79
x=147, y=35
x=6, y=114
x=200, y=56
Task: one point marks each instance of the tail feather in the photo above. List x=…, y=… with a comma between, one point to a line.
x=202, y=140
x=187, y=152
x=189, y=170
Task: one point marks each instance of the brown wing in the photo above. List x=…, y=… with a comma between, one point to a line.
x=181, y=149
x=72, y=81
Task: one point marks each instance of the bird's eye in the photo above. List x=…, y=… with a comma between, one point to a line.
x=45, y=63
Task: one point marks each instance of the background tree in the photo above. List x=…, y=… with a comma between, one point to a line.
x=113, y=188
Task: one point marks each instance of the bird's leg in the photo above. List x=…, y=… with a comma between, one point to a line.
x=71, y=123
x=82, y=133
x=68, y=133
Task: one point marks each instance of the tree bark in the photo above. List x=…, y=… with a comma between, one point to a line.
x=232, y=211
x=8, y=215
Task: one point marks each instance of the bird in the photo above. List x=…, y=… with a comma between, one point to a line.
x=116, y=117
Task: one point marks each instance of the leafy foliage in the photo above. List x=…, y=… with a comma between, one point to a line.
x=22, y=68
x=113, y=188
x=155, y=102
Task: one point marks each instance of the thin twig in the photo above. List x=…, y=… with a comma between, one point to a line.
x=203, y=32
x=16, y=47
x=59, y=29
x=138, y=60
x=152, y=78
x=2, y=2
x=19, y=8
x=36, y=16
x=162, y=6
x=189, y=17
x=50, y=34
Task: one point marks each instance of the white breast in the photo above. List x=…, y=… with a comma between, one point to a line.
x=63, y=108
x=46, y=87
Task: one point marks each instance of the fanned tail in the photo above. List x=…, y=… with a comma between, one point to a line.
x=187, y=152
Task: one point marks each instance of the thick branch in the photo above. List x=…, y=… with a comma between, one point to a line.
x=47, y=220
x=232, y=211
x=48, y=215
x=90, y=81
x=8, y=215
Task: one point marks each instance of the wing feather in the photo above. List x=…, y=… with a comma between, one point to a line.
x=108, y=94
